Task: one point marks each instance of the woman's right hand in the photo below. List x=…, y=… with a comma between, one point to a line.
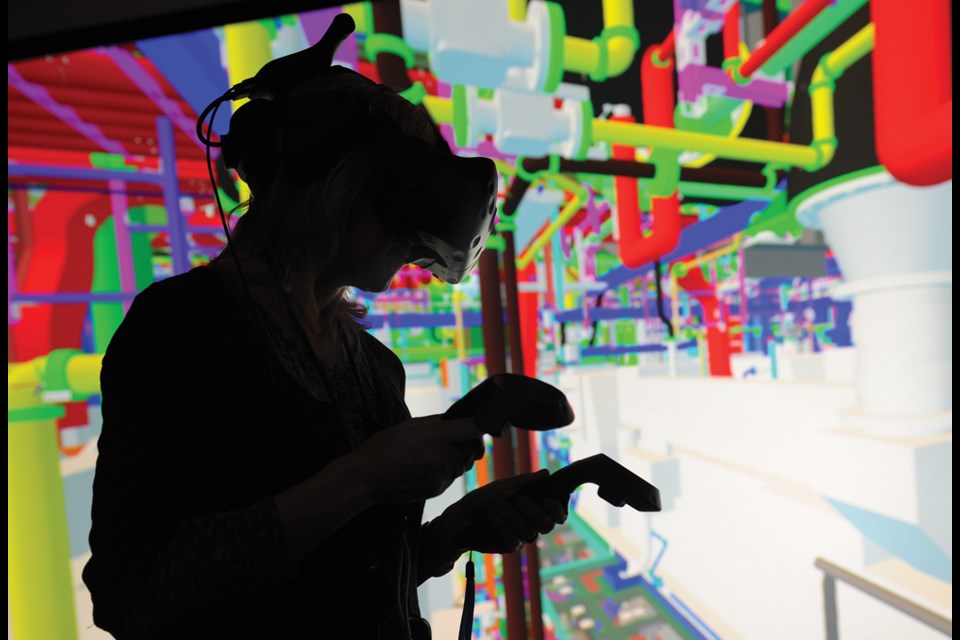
x=418, y=459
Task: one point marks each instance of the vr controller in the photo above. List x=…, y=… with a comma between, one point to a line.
x=615, y=483
x=512, y=399
x=509, y=399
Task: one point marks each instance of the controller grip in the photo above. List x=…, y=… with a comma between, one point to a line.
x=507, y=399
x=615, y=483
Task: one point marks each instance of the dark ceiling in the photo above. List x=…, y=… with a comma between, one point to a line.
x=40, y=27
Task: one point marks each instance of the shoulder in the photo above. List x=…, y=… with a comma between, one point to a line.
x=198, y=282
x=179, y=296
x=383, y=357
x=173, y=309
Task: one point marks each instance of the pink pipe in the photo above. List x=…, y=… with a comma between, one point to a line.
x=659, y=101
x=913, y=89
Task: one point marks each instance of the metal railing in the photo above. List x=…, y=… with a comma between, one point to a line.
x=832, y=573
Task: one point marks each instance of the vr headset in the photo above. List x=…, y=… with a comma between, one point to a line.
x=444, y=204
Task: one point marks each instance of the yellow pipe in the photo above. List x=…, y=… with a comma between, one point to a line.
x=38, y=545
x=459, y=338
x=860, y=44
x=691, y=264
x=642, y=135
x=584, y=56
x=247, y=47
x=518, y=10
x=580, y=196
x=713, y=255
x=440, y=109
x=675, y=302
x=822, y=85
x=811, y=158
x=621, y=49
x=83, y=373
x=566, y=213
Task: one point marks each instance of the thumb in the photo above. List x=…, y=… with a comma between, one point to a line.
x=529, y=478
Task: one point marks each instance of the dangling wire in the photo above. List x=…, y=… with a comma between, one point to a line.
x=208, y=144
x=466, y=619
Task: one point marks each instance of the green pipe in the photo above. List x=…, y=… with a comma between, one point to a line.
x=732, y=192
x=818, y=29
x=723, y=191
x=106, y=316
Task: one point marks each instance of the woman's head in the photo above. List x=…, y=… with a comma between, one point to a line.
x=319, y=217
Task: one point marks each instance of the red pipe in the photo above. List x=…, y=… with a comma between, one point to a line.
x=731, y=32
x=503, y=455
x=667, y=48
x=718, y=339
x=658, y=106
x=784, y=32
x=913, y=89
x=529, y=319
x=524, y=449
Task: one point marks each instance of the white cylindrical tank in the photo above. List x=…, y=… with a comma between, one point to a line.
x=894, y=246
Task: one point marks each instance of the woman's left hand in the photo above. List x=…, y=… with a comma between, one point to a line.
x=513, y=520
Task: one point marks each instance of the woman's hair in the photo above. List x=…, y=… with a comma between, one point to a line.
x=299, y=218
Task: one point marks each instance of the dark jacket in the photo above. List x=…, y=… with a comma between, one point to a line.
x=202, y=425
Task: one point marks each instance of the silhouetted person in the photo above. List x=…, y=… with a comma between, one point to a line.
x=259, y=473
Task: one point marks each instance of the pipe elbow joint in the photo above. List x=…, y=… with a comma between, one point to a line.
x=824, y=148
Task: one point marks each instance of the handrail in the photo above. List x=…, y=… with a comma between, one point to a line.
x=833, y=572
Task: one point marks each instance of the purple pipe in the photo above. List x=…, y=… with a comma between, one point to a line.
x=71, y=298
x=700, y=19
x=695, y=80
x=11, y=278
x=79, y=173
x=171, y=196
x=159, y=228
x=151, y=88
x=118, y=205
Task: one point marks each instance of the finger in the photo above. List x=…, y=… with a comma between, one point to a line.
x=555, y=509
x=455, y=454
x=520, y=526
x=504, y=531
x=534, y=514
x=479, y=450
x=529, y=478
x=460, y=429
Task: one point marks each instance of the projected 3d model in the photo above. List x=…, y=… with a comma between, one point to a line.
x=724, y=230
